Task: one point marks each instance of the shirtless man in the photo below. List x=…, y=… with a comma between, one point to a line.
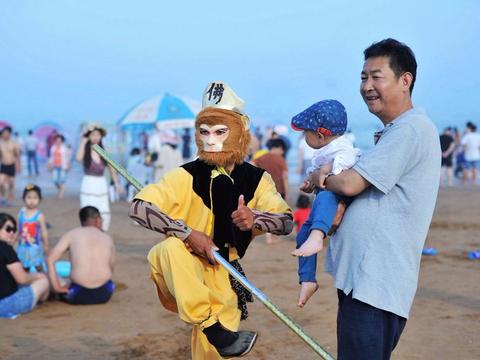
x=9, y=164
x=92, y=255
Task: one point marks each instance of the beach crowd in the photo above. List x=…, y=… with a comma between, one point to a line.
x=338, y=183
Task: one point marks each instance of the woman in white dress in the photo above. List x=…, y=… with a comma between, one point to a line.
x=94, y=187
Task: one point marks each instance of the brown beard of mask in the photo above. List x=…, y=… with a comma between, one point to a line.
x=235, y=146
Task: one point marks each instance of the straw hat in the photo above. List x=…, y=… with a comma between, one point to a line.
x=92, y=127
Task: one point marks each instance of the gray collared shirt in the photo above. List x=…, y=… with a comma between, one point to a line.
x=376, y=251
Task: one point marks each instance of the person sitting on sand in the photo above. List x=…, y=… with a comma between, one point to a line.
x=92, y=254
x=324, y=124
x=20, y=291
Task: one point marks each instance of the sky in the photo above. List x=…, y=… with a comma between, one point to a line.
x=71, y=61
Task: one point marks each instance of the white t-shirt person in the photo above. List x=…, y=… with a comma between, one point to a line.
x=31, y=143
x=376, y=252
x=471, y=144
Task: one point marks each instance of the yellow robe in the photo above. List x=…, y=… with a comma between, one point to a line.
x=200, y=293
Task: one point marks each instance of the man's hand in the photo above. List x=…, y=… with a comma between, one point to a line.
x=318, y=176
x=202, y=245
x=243, y=216
x=62, y=289
x=338, y=217
x=321, y=180
x=308, y=186
x=339, y=214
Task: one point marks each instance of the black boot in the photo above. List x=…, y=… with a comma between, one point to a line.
x=228, y=343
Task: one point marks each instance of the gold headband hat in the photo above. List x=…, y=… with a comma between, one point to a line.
x=219, y=95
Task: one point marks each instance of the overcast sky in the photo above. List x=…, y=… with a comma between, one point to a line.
x=70, y=61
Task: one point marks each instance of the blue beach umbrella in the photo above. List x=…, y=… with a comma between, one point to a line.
x=163, y=111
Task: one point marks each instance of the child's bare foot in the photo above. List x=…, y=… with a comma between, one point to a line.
x=307, y=289
x=312, y=245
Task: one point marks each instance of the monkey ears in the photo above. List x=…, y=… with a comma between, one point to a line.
x=246, y=122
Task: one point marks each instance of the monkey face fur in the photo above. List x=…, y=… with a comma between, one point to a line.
x=222, y=137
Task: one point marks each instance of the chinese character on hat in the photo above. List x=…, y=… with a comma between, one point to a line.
x=219, y=95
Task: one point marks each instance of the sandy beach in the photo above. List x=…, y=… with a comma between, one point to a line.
x=444, y=323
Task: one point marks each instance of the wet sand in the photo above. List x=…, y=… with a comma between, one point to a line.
x=444, y=323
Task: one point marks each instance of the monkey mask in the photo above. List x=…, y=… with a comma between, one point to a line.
x=221, y=129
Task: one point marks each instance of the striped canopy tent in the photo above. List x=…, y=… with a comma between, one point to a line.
x=163, y=111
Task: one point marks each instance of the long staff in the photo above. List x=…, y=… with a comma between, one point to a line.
x=242, y=279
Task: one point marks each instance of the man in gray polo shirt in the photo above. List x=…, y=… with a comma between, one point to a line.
x=374, y=257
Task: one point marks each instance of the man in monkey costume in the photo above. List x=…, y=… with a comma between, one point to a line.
x=215, y=203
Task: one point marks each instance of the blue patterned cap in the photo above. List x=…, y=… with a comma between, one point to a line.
x=327, y=116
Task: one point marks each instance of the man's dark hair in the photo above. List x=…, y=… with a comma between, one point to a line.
x=276, y=143
x=30, y=132
x=401, y=57
x=6, y=128
x=88, y=212
x=135, y=151
x=471, y=126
